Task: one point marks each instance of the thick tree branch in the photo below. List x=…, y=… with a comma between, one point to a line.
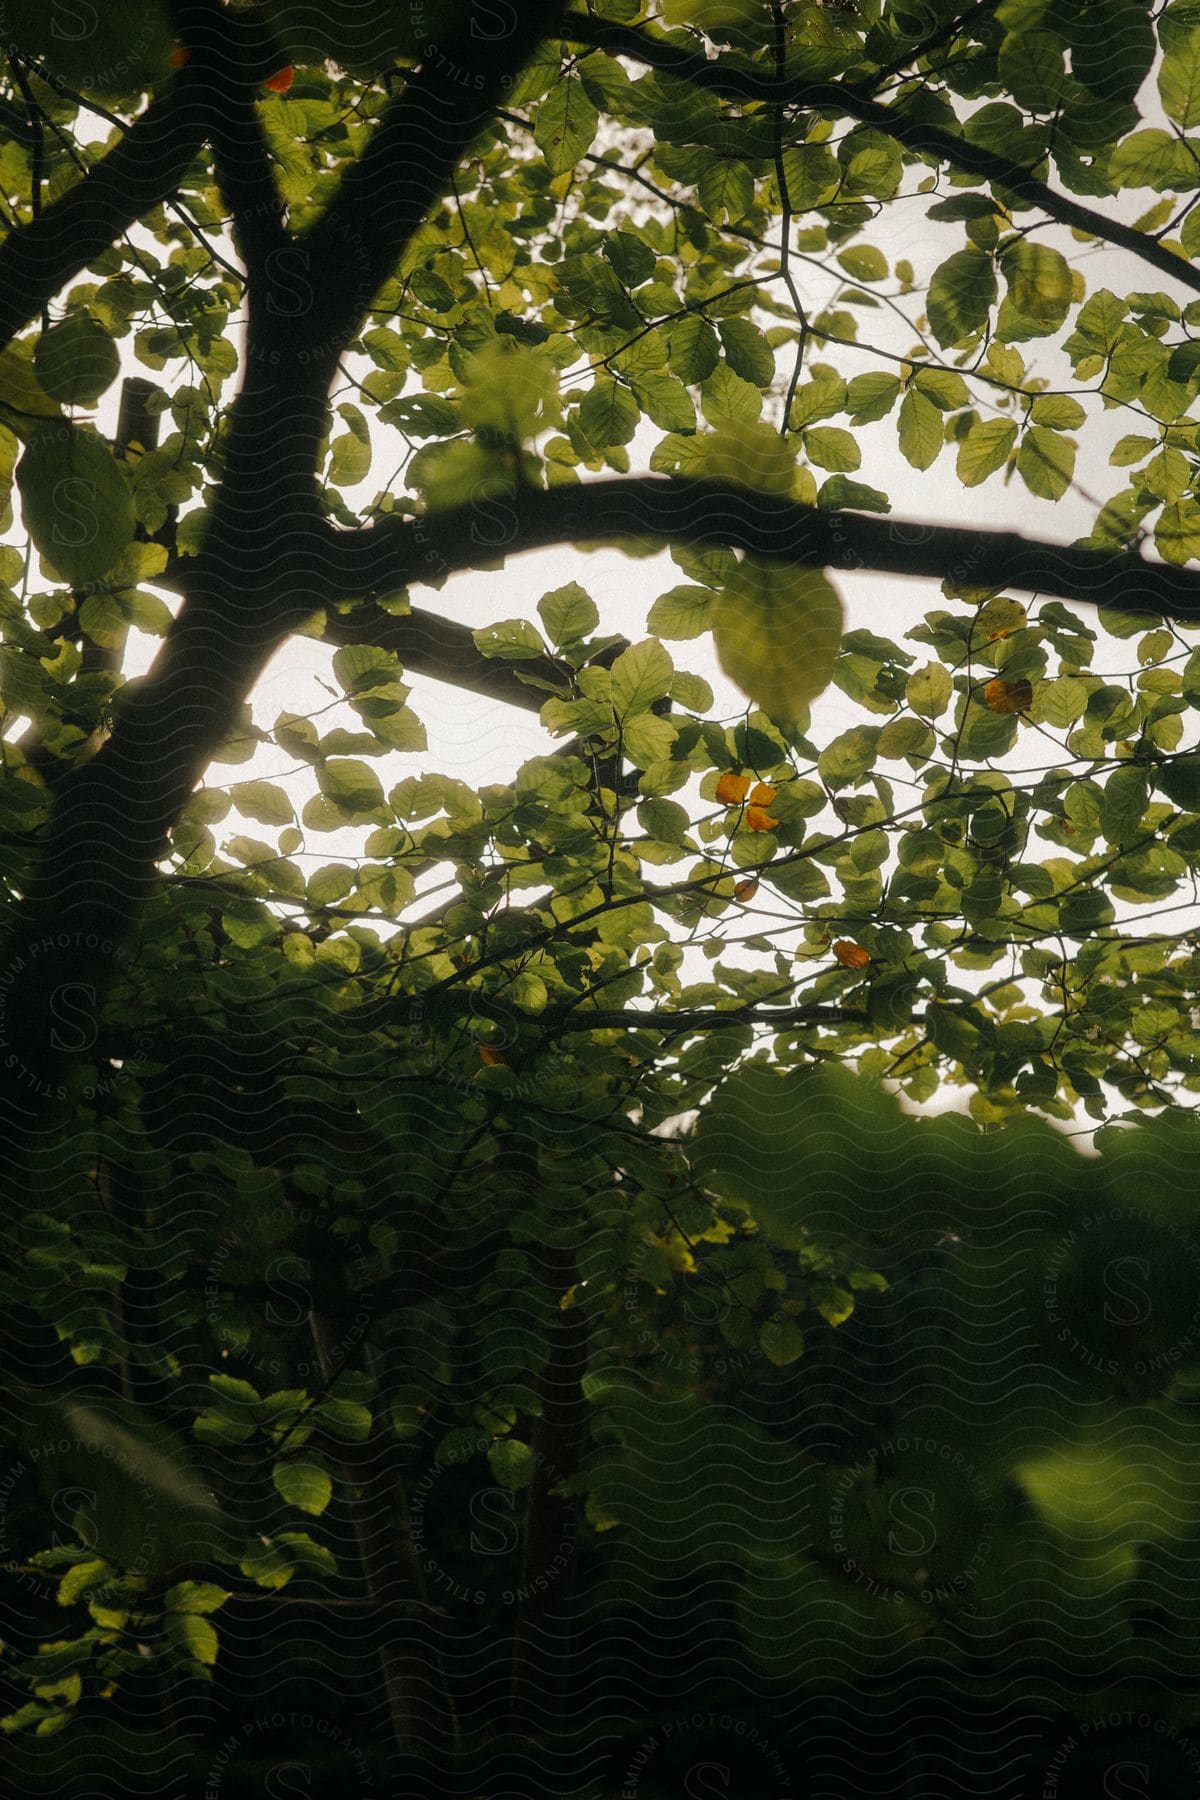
x=428, y=644
x=260, y=570
x=144, y=169
x=741, y=82
x=383, y=198
x=393, y=554
x=241, y=157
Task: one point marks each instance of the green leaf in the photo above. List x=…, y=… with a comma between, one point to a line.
x=985, y=449
x=777, y=632
x=247, y=925
x=693, y=347
x=1032, y=65
x=1177, y=532
x=864, y=262
x=350, y=784
x=1112, y=48
x=529, y=992
x=664, y=400
x=76, y=361
x=846, y=759
x=726, y=398
x=514, y=638
x=747, y=351
x=1133, y=448
x=811, y=174
x=1058, y=411
x=303, y=1484
x=871, y=397
x=1046, y=462
x=630, y=256
x=262, y=800
x=348, y=1420
x=20, y=389
x=900, y=738
x=640, y=676
x=193, y=1637
x=512, y=1462
x=75, y=501
x=509, y=388
x=726, y=189
x=682, y=612
x=922, y=433
x=565, y=124
x=962, y=291
x=1126, y=793
x=609, y=413
x=1153, y=159
x=647, y=739
x=1179, y=82
x=781, y=1341
x=196, y=1597
x=1039, y=282
x=748, y=453
x=832, y=448
x=568, y=613
x=928, y=690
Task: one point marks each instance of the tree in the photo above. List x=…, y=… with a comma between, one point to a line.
x=536, y=1318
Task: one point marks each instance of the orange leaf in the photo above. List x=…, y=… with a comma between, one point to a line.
x=179, y=56
x=489, y=1057
x=745, y=890
x=762, y=794
x=281, y=81
x=759, y=819
x=850, y=954
x=1007, y=696
x=732, y=789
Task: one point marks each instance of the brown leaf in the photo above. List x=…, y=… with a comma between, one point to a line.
x=1007, y=696
x=850, y=954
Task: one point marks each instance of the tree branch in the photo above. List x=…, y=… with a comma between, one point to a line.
x=392, y=554
x=251, y=585
x=355, y=245
x=241, y=158
x=444, y=650
x=732, y=82
x=144, y=169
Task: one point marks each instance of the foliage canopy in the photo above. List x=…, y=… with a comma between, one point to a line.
x=467, y=1246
